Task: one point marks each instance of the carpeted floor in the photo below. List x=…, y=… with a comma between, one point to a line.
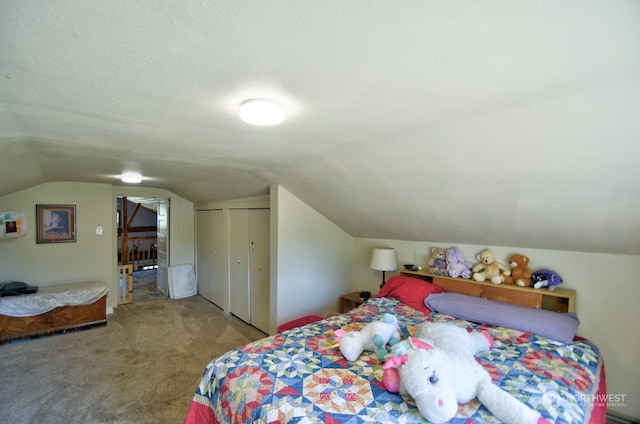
x=143, y=367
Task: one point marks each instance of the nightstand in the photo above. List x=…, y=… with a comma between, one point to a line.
x=351, y=298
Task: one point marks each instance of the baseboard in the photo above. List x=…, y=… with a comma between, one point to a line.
x=616, y=417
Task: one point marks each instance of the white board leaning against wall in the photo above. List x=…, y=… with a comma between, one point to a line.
x=182, y=281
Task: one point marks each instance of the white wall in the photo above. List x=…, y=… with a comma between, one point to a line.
x=608, y=299
x=89, y=258
x=311, y=259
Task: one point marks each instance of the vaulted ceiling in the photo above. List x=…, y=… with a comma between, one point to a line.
x=477, y=122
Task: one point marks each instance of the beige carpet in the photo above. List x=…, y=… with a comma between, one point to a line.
x=143, y=367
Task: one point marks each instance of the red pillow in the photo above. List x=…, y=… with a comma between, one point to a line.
x=410, y=291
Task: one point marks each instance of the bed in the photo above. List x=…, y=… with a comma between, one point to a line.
x=300, y=375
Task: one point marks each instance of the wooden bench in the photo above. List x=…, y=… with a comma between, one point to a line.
x=66, y=307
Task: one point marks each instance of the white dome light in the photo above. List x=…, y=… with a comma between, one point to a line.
x=261, y=112
x=131, y=178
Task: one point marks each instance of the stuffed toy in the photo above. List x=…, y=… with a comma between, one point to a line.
x=489, y=269
x=373, y=337
x=436, y=263
x=520, y=274
x=457, y=265
x=439, y=370
x=545, y=278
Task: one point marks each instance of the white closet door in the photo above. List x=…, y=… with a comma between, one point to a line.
x=203, y=250
x=218, y=267
x=239, y=263
x=259, y=259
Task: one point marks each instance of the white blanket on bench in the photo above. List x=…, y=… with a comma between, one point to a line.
x=51, y=297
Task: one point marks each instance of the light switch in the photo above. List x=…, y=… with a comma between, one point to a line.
x=99, y=231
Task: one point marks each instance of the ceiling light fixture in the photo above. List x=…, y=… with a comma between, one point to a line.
x=261, y=112
x=131, y=178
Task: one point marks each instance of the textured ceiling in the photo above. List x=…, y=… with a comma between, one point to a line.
x=477, y=122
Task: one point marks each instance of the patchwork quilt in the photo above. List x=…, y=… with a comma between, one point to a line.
x=300, y=376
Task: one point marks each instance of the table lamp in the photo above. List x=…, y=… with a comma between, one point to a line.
x=383, y=259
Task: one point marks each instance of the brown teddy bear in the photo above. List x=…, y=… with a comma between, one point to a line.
x=436, y=262
x=489, y=269
x=520, y=274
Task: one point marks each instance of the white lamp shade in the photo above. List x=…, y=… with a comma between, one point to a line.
x=383, y=259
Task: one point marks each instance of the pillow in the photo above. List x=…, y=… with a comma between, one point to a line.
x=410, y=291
x=553, y=325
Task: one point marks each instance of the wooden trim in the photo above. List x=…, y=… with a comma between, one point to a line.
x=148, y=229
x=558, y=300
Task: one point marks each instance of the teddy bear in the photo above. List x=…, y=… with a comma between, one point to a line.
x=437, y=368
x=520, y=274
x=457, y=265
x=545, y=278
x=373, y=337
x=436, y=263
x=489, y=269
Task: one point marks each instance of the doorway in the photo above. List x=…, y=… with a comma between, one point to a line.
x=142, y=243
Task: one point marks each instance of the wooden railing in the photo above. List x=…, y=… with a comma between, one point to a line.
x=142, y=252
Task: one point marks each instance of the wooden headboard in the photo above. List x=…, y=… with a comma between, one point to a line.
x=558, y=300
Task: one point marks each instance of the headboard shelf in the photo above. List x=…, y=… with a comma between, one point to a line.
x=558, y=300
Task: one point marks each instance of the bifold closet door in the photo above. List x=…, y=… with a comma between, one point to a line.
x=239, y=263
x=259, y=275
x=219, y=280
x=203, y=246
x=212, y=254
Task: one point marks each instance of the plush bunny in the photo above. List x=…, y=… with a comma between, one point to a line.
x=438, y=370
x=373, y=337
x=457, y=265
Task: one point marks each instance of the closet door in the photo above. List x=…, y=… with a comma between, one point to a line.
x=259, y=275
x=239, y=263
x=218, y=260
x=211, y=268
x=203, y=250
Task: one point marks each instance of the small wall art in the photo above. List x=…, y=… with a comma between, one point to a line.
x=12, y=224
x=56, y=223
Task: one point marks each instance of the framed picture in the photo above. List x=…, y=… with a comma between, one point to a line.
x=56, y=223
x=12, y=224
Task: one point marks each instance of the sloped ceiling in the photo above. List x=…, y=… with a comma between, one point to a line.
x=477, y=122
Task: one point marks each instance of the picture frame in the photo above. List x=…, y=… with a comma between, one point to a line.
x=13, y=224
x=56, y=223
